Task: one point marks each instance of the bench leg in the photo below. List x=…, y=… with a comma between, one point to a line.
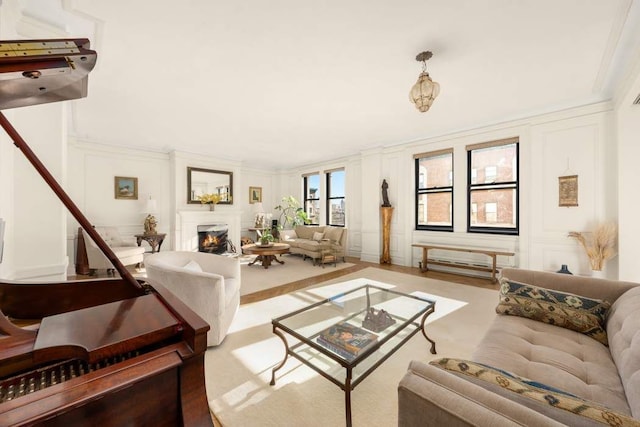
x=493, y=268
x=425, y=257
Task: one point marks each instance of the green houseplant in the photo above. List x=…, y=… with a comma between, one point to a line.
x=266, y=237
x=291, y=214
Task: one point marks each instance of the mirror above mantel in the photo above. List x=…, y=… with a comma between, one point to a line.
x=208, y=181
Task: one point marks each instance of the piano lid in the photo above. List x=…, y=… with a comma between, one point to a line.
x=41, y=71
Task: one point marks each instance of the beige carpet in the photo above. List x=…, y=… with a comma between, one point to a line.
x=256, y=278
x=238, y=371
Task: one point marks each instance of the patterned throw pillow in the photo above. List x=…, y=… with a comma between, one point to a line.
x=575, y=312
x=536, y=391
x=318, y=236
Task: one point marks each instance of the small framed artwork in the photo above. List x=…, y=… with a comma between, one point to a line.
x=126, y=188
x=255, y=194
x=568, y=190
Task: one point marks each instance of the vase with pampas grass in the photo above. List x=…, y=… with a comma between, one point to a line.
x=599, y=245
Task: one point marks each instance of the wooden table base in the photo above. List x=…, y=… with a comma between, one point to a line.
x=266, y=260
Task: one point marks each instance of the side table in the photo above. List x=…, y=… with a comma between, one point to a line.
x=154, y=240
x=328, y=254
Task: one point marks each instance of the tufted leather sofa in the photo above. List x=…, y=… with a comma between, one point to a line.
x=553, y=356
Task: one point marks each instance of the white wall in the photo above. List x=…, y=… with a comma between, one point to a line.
x=628, y=134
x=163, y=176
x=579, y=141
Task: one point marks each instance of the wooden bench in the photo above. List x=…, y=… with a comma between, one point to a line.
x=493, y=254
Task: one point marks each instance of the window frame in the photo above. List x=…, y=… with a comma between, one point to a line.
x=495, y=185
x=305, y=185
x=330, y=198
x=433, y=190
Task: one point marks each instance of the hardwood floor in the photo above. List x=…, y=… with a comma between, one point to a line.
x=360, y=265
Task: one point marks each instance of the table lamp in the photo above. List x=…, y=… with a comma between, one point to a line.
x=259, y=211
x=150, y=221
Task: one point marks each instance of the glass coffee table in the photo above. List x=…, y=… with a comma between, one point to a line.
x=378, y=322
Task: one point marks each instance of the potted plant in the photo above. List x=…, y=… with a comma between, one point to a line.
x=598, y=245
x=291, y=213
x=265, y=237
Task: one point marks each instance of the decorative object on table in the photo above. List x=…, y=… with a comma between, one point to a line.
x=425, y=90
x=377, y=320
x=564, y=269
x=599, y=245
x=126, y=188
x=346, y=339
x=265, y=238
x=255, y=195
x=258, y=211
x=291, y=213
x=213, y=199
x=386, y=211
x=150, y=221
x=568, y=190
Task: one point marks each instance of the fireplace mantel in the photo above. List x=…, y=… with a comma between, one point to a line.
x=187, y=226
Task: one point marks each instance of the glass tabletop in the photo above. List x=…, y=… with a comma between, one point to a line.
x=356, y=330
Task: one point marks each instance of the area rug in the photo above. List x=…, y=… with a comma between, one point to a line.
x=238, y=371
x=256, y=278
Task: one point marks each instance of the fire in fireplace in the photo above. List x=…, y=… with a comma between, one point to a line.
x=213, y=238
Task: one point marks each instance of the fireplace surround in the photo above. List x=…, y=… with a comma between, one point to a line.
x=187, y=222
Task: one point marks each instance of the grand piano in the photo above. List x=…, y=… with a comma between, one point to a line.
x=105, y=352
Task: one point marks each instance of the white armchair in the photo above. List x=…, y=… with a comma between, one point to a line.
x=128, y=252
x=209, y=284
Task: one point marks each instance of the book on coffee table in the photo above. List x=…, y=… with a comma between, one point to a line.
x=346, y=339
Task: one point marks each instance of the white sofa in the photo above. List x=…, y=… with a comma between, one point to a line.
x=127, y=250
x=209, y=284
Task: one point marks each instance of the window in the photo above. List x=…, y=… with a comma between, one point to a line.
x=434, y=190
x=312, y=197
x=335, y=198
x=493, y=198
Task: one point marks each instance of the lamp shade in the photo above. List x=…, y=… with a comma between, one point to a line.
x=258, y=208
x=151, y=206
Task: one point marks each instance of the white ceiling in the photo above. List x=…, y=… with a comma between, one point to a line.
x=284, y=83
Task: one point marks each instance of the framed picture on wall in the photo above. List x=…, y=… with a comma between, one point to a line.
x=126, y=188
x=568, y=190
x=255, y=194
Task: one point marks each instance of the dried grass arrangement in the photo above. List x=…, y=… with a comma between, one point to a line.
x=599, y=245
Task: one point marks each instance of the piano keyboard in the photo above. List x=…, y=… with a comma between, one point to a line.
x=41, y=378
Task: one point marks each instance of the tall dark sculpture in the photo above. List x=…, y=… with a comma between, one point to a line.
x=386, y=210
x=385, y=194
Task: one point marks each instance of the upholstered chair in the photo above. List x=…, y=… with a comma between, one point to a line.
x=209, y=284
x=127, y=251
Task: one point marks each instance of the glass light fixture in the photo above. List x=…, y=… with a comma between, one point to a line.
x=425, y=90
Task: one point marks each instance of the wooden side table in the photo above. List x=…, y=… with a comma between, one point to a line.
x=154, y=240
x=328, y=255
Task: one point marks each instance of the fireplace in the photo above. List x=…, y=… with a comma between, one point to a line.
x=213, y=238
